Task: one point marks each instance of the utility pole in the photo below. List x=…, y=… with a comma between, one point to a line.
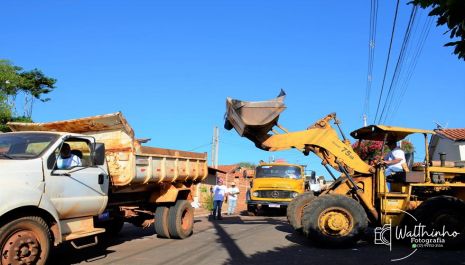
x=364, y=120
x=215, y=146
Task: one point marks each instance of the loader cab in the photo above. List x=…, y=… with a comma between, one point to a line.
x=393, y=193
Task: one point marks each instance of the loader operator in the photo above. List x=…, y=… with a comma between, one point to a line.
x=393, y=160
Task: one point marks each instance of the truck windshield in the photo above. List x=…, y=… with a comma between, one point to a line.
x=290, y=172
x=24, y=145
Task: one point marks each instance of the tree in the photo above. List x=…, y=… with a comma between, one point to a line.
x=32, y=84
x=451, y=13
x=247, y=165
x=14, y=81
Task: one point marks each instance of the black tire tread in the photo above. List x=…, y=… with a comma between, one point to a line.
x=174, y=220
x=298, y=204
x=435, y=206
x=161, y=221
x=318, y=205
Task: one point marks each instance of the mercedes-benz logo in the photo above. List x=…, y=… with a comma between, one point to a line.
x=275, y=194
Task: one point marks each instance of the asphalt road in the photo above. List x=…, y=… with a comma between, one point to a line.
x=241, y=240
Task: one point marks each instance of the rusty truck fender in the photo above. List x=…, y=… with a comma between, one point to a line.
x=15, y=195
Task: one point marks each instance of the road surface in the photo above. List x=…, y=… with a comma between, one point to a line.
x=241, y=240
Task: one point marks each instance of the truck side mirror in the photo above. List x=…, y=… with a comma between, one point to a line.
x=99, y=154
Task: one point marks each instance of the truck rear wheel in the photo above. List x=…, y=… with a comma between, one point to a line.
x=161, y=221
x=444, y=213
x=181, y=219
x=25, y=240
x=334, y=220
x=296, y=207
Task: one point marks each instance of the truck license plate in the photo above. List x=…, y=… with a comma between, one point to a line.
x=272, y=205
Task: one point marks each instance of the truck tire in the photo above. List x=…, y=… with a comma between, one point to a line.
x=161, y=221
x=443, y=212
x=26, y=240
x=181, y=220
x=252, y=210
x=296, y=207
x=334, y=220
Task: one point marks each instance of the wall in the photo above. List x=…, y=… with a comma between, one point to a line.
x=451, y=148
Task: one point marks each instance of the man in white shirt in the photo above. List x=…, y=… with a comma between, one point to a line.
x=218, y=191
x=67, y=160
x=394, y=159
x=233, y=193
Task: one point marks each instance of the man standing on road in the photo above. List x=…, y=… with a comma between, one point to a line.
x=218, y=191
x=233, y=193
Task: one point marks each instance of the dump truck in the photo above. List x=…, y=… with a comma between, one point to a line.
x=433, y=192
x=117, y=180
x=274, y=185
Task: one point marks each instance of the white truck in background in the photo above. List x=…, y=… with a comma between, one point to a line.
x=119, y=181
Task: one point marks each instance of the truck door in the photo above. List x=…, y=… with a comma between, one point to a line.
x=78, y=188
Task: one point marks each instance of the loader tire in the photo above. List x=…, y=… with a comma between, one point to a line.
x=334, y=220
x=25, y=240
x=161, y=221
x=181, y=220
x=296, y=207
x=444, y=212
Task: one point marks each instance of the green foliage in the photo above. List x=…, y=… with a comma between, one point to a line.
x=14, y=80
x=209, y=202
x=451, y=13
x=4, y=119
x=407, y=146
x=247, y=165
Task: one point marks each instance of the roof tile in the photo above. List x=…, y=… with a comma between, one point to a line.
x=453, y=134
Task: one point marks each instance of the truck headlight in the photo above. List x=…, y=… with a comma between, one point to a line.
x=294, y=194
x=255, y=194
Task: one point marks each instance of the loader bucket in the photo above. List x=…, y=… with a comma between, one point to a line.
x=254, y=120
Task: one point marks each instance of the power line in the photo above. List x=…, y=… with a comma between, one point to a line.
x=387, y=60
x=399, y=65
x=198, y=147
x=418, y=49
x=371, y=55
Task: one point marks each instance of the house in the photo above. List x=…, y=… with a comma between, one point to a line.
x=448, y=141
x=201, y=191
x=242, y=177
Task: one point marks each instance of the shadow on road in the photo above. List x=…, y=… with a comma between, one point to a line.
x=303, y=251
x=65, y=254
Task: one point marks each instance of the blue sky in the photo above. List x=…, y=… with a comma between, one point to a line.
x=169, y=65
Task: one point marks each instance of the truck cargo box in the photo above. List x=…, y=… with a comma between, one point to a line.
x=129, y=162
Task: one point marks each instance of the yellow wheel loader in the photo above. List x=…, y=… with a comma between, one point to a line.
x=430, y=195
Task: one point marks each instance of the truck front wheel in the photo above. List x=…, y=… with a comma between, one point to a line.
x=26, y=240
x=181, y=219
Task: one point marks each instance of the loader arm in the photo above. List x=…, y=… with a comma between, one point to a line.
x=324, y=141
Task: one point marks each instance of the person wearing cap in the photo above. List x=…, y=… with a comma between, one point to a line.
x=233, y=193
x=393, y=160
x=219, y=191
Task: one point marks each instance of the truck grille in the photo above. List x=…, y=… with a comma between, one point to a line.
x=275, y=194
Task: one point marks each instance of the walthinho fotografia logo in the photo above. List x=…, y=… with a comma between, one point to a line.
x=417, y=236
